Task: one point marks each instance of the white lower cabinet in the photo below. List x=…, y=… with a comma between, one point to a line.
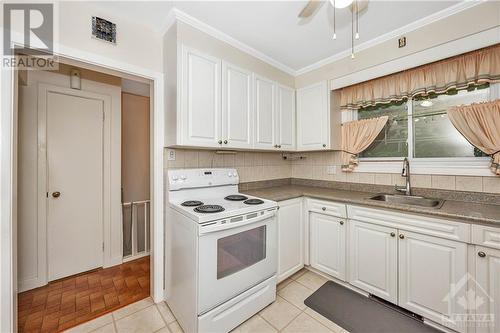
x=487, y=290
x=373, y=259
x=431, y=271
x=327, y=244
x=291, y=238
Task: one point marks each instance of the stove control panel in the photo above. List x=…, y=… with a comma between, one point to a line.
x=193, y=178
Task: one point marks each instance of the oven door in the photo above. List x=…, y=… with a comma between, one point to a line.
x=235, y=256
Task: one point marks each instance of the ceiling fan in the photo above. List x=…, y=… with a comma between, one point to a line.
x=355, y=6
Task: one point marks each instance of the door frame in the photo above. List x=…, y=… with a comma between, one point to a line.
x=43, y=237
x=8, y=173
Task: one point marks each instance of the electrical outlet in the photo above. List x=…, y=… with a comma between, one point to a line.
x=171, y=155
x=331, y=170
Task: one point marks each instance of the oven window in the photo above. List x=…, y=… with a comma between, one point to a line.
x=239, y=251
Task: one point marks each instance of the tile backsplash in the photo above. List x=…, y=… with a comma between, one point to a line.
x=258, y=166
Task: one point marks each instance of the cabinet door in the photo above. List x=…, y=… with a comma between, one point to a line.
x=487, y=290
x=200, y=99
x=237, y=109
x=291, y=238
x=373, y=259
x=313, y=117
x=327, y=244
x=285, y=129
x=264, y=113
x=430, y=273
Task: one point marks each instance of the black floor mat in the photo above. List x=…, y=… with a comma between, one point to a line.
x=359, y=314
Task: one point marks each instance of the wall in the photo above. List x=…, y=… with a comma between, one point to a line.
x=314, y=166
x=251, y=166
x=460, y=25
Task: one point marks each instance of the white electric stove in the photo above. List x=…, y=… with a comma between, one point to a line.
x=222, y=250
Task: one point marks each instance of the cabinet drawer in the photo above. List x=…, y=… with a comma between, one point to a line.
x=486, y=236
x=412, y=222
x=327, y=207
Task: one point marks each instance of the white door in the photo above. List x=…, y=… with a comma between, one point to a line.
x=200, y=99
x=487, y=290
x=74, y=184
x=373, y=259
x=290, y=238
x=327, y=244
x=264, y=113
x=313, y=121
x=285, y=121
x=429, y=269
x=237, y=107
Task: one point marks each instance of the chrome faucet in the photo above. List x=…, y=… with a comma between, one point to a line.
x=405, y=173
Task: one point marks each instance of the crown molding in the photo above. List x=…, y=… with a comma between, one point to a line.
x=175, y=15
x=393, y=34
x=178, y=15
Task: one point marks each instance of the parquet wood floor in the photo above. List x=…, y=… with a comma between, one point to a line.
x=76, y=299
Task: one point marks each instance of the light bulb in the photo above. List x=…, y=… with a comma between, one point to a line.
x=341, y=3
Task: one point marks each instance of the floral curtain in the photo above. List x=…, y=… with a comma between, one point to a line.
x=479, y=123
x=356, y=137
x=468, y=70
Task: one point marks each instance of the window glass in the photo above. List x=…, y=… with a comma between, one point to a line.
x=433, y=133
x=241, y=250
x=392, y=140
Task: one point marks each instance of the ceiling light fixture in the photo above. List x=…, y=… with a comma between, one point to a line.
x=354, y=6
x=426, y=103
x=341, y=3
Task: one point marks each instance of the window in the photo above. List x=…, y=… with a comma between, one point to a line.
x=420, y=128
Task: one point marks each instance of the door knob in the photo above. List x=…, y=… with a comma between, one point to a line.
x=56, y=194
x=401, y=236
x=481, y=254
x=393, y=234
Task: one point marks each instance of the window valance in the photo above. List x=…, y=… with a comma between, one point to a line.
x=465, y=71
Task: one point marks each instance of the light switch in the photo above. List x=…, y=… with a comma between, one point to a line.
x=171, y=155
x=331, y=170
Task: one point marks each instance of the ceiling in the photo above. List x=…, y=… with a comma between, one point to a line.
x=273, y=29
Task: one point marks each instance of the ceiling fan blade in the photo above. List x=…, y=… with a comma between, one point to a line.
x=309, y=8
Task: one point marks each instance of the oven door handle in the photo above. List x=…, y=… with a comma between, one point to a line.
x=219, y=227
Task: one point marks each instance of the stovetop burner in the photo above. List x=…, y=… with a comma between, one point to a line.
x=192, y=203
x=209, y=209
x=253, y=202
x=236, y=197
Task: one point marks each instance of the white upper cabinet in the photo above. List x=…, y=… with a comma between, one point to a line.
x=285, y=124
x=237, y=107
x=431, y=273
x=313, y=117
x=200, y=100
x=265, y=114
x=327, y=244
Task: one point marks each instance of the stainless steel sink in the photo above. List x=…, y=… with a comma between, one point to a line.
x=411, y=200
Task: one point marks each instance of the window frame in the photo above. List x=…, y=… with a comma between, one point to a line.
x=453, y=166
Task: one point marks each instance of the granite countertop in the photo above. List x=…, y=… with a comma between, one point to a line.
x=471, y=212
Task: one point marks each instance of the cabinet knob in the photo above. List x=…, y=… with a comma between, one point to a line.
x=225, y=142
x=481, y=254
x=341, y=222
x=275, y=146
x=393, y=234
x=324, y=145
x=401, y=236
x=279, y=146
x=220, y=142
x=323, y=208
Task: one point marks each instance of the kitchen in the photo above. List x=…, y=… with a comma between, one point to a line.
x=369, y=176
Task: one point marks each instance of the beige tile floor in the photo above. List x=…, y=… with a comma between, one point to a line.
x=287, y=314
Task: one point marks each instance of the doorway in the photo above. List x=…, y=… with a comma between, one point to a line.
x=71, y=261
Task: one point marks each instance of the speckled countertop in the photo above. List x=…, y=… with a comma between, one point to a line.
x=458, y=210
